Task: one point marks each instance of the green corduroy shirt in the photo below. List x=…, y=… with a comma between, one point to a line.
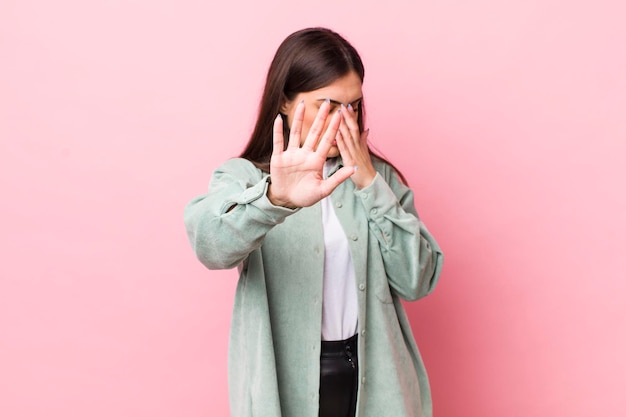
x=275, y=339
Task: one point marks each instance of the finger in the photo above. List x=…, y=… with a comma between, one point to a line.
x=364, y=136
x=343, y=127
x=329, y=136
x=354, y=112
x=318, y=125
x=351, y=115
x=328, y=185
x=351, y=120
x=296, y=127
x=346, y=156
x=348, y=139
x=279, y=140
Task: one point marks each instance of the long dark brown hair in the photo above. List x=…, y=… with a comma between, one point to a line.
x=307, y=60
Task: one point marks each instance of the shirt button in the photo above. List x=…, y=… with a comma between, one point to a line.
x=363, y=380
x=364, y=196
x=338, y=204
x=362, y=287
x=374, y=211
x=354, y=237
x=363, y=333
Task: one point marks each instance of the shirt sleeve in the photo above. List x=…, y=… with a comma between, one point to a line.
x=232, y=219
x=411, y=256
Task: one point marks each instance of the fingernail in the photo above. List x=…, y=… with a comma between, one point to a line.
x=350, y=106
x=302, y=101
x=356, y=168
x=327, y=100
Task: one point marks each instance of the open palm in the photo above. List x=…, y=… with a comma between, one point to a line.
x=296, y=172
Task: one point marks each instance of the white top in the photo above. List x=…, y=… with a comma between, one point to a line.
x=339, y=307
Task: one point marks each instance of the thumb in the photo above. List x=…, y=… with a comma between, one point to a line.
x=332, y=182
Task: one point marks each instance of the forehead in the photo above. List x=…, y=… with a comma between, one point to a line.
x=343, y=90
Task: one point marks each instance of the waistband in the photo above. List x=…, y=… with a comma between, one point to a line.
x=339, y=347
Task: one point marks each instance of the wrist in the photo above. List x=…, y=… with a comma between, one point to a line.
x=363, y=178
x=275, y=200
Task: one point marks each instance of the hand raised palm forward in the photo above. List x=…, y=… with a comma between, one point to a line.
x=297, y=172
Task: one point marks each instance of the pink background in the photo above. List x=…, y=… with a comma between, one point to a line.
x=508, y=118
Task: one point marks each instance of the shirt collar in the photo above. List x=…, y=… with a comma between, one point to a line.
x=332, y=165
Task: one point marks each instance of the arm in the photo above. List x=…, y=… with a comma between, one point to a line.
x=411, y=256
x=232, y=219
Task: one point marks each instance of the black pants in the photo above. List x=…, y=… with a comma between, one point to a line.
x=338, y=378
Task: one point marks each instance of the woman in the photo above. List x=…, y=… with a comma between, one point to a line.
x=327, y=242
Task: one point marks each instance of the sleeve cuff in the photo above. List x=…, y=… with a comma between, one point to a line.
x=377, y=198
x=257, y=197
